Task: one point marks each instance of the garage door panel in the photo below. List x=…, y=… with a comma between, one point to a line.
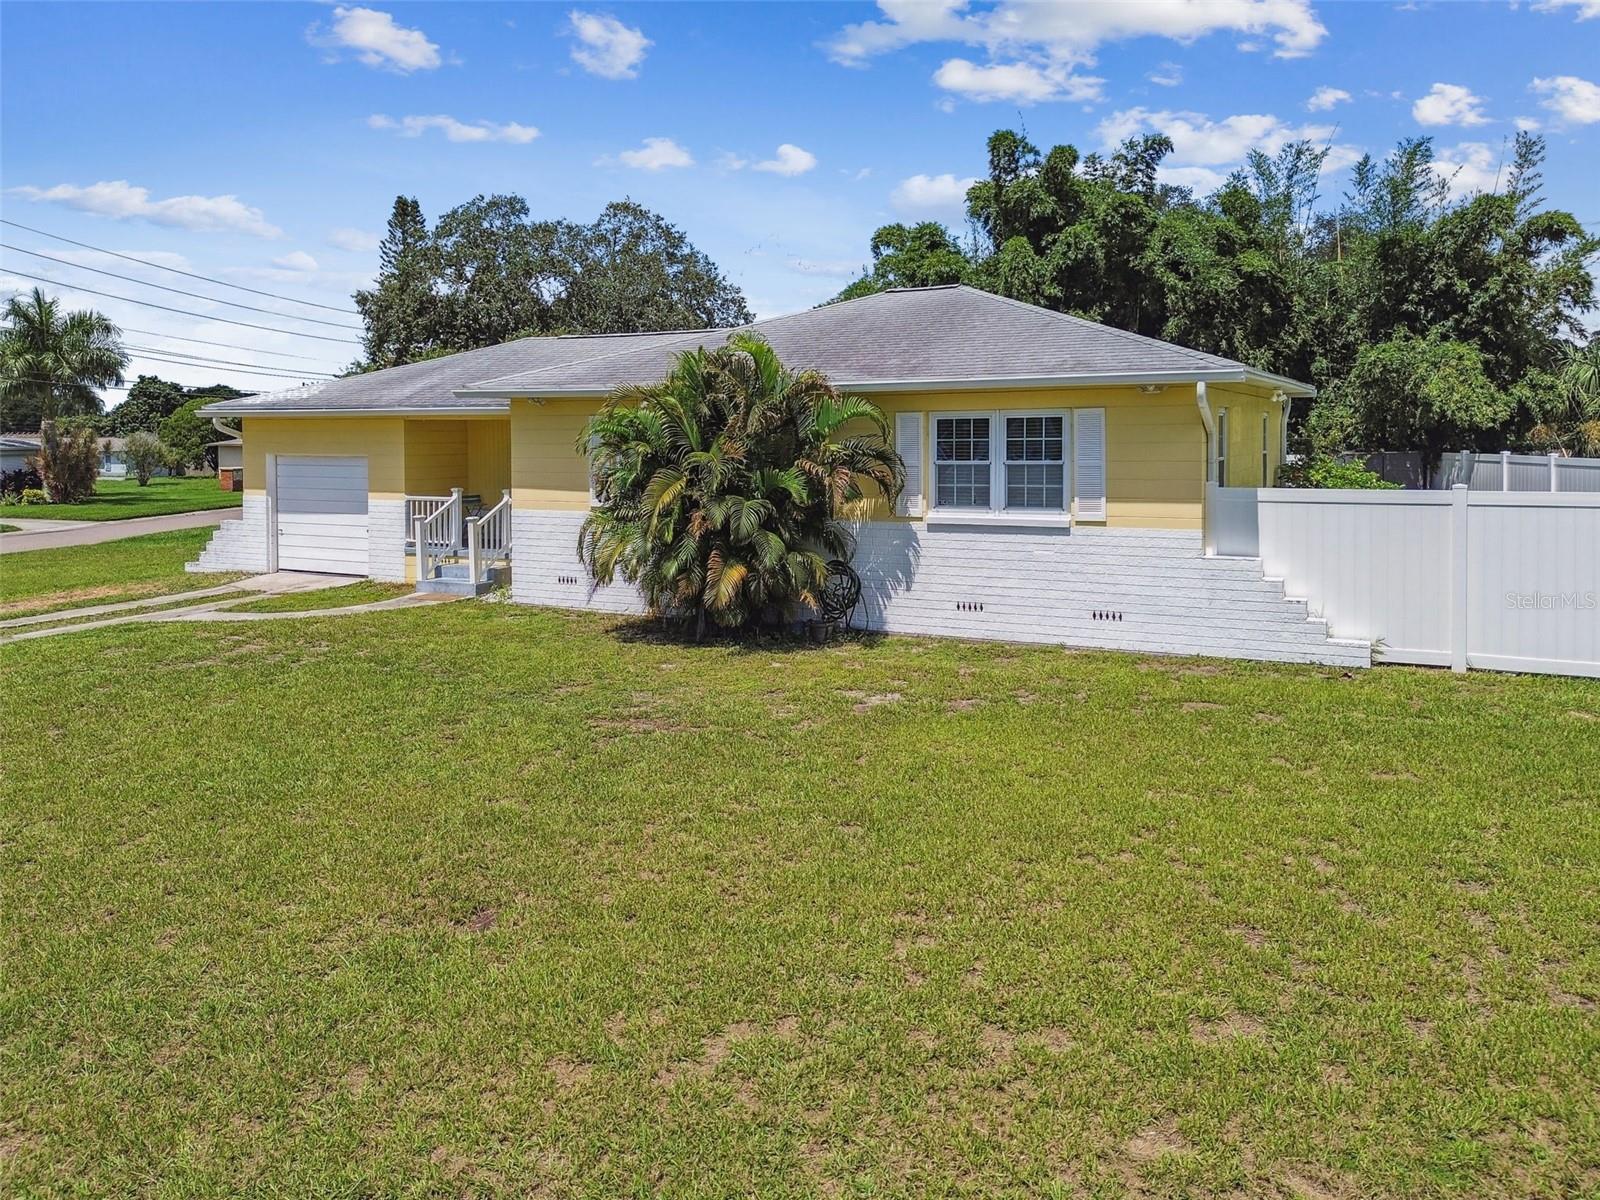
x=322, y=514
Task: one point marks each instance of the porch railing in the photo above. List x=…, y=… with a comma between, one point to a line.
x=437, y=535
x=489, y=537
x=426, y=506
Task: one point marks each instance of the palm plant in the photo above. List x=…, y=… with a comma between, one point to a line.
x=1574, y=425
x=51, y=362
x=720, y=491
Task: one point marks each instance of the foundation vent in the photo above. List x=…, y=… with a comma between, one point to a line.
x=969, y=605
x=1107, y=614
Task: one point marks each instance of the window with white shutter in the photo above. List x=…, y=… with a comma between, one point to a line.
x=908, y=445
x=1089, y=462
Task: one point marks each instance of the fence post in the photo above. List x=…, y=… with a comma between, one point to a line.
x=1554, y=474
x=1505, y=470
x=1458, y=580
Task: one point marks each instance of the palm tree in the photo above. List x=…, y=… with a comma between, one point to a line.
x=1574, y=425
x=719, y=491
x=50, y=362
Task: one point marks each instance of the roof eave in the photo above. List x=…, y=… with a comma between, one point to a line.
x=392, y=410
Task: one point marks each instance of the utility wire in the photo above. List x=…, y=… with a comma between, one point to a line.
x=178, y=337
x=160, y=267
x=67, y=262
x=202, y=360
x=237, y=368
x=183, y=312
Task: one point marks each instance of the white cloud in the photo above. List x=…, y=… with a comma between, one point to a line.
x=122, y=201
x=1570, y=98
x=1015, y=82
x=296, y=260
x=456, y=131
x=789, y=160
x=1449, y=104
x=838, y=268
x=1168, y=74
x=606, y=47
x=1469, y=168
x=1588, y=10
x=357, y=241
x=657, y=154
x=377, y=41
x=928, y=194
x=1529, y=124
x=1069, y=32
x=729, y=161
x=1203, y=150
x=1326, y=97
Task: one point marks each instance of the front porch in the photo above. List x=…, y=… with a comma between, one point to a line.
x=457, y=507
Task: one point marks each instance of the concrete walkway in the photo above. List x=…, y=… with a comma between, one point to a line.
x=48, y=535
x=207, y=609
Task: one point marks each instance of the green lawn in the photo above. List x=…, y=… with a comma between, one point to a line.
x=115, y=499
x=34, y=581
x=486, y=901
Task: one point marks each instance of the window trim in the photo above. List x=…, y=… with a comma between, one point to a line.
x=997, y=506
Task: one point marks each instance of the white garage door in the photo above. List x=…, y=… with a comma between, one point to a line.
x=322, y=515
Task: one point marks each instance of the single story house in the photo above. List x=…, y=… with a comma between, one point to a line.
x=230, y=463
x=17, y=450
x=1057, y=472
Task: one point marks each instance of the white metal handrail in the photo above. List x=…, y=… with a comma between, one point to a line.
x=438, y=534
x=489, y=537
x=425, y=506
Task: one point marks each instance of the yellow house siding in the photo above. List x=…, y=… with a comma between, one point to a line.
x=547, y=472
x=1246, y=408
x=1155, y=448
x=380, y=439
x=436, y=457
x=488, y=458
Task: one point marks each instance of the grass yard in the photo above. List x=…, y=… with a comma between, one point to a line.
x=36, y=581
x=116, y=499
x=479, y=900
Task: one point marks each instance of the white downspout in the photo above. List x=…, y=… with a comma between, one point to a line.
x=216, y=423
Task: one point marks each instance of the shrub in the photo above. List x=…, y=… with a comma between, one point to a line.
x=33, y=496
x=1326, y=471
x=146, y=454
x=719, y=490
x=13, y=483
x=68, y=461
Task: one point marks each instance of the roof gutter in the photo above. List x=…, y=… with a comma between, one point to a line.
x=989, y=383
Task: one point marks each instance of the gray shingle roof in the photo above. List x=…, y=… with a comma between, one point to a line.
x=434, y=382
x=953, y=336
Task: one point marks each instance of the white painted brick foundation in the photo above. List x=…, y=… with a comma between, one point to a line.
x=238, y=545
x=386, y=540
x=1121, y=589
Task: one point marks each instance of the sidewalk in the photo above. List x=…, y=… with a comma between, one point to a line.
x=48, y=535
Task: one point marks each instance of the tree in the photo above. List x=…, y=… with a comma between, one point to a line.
x=1569, y=423
x=51, y=362
x=151, y=400
x=146, y=455
x=921, y=255
x=400, y=310
x=632, y=272
x=185, y=433
x=489, y=272
x=719, y=490
x=68, y=460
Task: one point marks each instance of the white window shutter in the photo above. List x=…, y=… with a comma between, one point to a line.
x=908, y=445
x=1089, y=462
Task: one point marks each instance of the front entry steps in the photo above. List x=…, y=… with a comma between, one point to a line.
x=455, y=579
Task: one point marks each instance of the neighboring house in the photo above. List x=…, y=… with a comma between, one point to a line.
x=16, y=450
x=230, y=464
x=1057, y=471
x=113, y=458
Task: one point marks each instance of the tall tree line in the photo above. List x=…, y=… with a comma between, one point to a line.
x=486, y=271
x=1427, y=323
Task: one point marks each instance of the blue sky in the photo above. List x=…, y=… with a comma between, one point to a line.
x=263, y=144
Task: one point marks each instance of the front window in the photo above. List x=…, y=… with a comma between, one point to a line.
x=961, y=462
x=1035, y=462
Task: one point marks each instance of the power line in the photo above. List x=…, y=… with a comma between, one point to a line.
x=66, y=262
x=201, y=359
x=178, y=362
x=160, y=267
x=184, y=312
x=178, y=337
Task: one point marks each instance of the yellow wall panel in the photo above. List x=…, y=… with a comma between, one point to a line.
x=436, y=457
x=380, y=439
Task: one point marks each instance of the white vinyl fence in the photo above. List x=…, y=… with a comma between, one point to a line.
x=1507, y=472
x=1498, y=580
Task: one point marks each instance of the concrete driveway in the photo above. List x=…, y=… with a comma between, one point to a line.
x=47, y=535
